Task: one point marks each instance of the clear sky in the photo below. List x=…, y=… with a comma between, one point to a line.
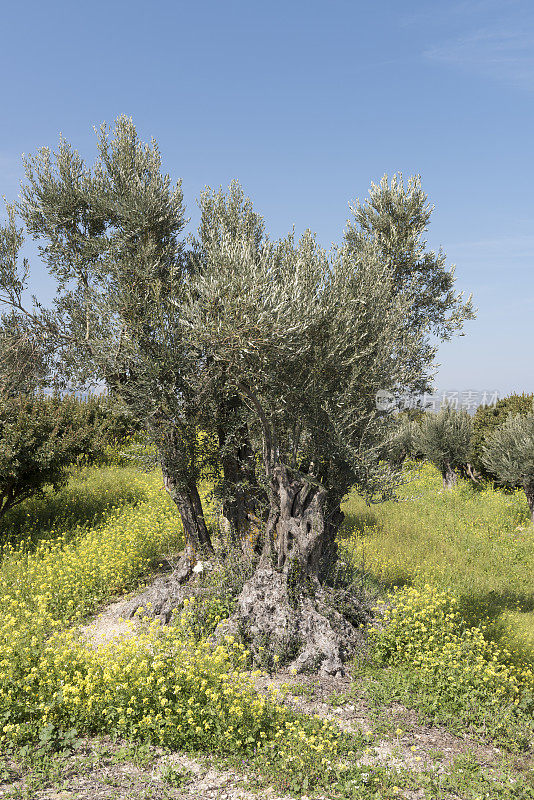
x=306, y=103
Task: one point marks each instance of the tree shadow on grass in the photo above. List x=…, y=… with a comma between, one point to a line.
x=65, y=513
x=361, y=523
x=486, y=609
x=490, y=605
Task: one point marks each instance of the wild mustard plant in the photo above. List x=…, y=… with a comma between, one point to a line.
x=166, y=685
x=459, y=673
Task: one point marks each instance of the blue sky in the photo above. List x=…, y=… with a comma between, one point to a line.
x=307, y=103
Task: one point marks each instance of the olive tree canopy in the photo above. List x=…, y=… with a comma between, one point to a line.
x=277, y=348
x=445, y=438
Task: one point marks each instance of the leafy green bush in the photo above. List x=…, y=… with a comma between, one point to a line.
x=39, y=439
x=42, y=437
x=113, y=427
x=487, y=419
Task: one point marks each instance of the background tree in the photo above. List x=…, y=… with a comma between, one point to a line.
x=40, y=439
x=402, y=444
x=444, y=439
x=109, y=237
x=489, y=418
x=508, y=452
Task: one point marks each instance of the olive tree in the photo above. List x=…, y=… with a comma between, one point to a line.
x=276, y=348
x=487, y=419
x=305, y=340
x=402, y=442
x=509, y=453
x=109, y=236
x=444, y=439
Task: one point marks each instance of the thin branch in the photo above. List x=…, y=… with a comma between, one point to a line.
x=270, y=455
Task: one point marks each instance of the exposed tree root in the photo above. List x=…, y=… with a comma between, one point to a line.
x=300, y=628
x=167, y=593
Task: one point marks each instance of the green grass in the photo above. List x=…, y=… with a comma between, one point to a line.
x=90, y=497
x=100, y=534
x=477, y=544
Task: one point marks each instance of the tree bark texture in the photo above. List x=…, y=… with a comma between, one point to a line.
x=284, y=609
x=450, y=478
x=285, y=613
x=240, y=508
x=189, y=505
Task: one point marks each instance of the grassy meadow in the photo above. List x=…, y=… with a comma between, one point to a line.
x=451, y=575
x=478, y=544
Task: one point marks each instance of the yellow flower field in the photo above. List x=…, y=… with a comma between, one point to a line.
x=162, y=685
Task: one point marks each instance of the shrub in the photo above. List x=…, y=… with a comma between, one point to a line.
x=487, y=419
x=111, y=427
x=39, y=439
x=42, y=437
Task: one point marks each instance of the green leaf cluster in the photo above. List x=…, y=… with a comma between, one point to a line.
x=42, y=437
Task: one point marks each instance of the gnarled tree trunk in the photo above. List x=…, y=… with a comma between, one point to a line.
x=529, y=492
x=450, y=478
x=284, y=609
x=187, y=499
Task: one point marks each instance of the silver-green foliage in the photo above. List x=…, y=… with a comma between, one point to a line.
x=402, y=442
x=444, y=439
x=306, y=338
x=302, y=337
x=509, y=453
x=109, y=235
x=395, y=218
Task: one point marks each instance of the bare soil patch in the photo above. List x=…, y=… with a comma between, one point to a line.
x=416, y=746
